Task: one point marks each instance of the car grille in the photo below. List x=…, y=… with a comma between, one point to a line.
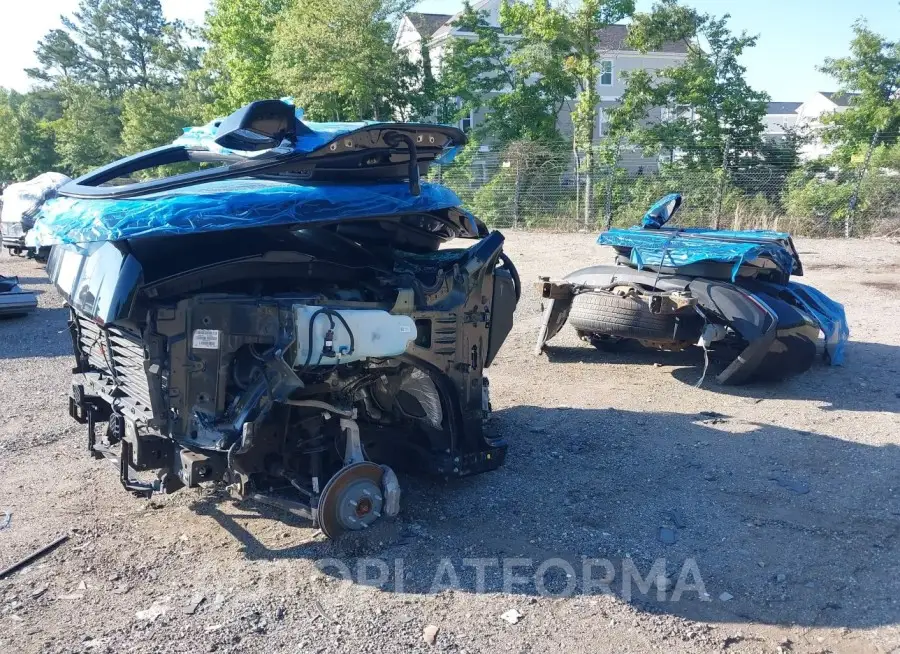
x=116, y=353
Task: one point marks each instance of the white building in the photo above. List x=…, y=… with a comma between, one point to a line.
x=809, y=117
x=780, y=116
x=437, y=31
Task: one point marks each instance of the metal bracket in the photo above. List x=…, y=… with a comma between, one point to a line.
x=139, y=488
x=405, y=302
x=353, y=452
x=546, y=288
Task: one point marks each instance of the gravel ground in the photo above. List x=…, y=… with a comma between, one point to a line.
x=782, y=501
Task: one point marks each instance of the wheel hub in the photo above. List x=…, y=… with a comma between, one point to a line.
x=352, y=499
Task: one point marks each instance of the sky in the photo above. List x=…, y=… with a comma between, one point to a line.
x=795, y=36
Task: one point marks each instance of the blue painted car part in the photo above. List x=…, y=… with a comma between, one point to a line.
x=829, y=315
x=670, y=248
x=661, y=211
x=652, y=245
x=229, y=204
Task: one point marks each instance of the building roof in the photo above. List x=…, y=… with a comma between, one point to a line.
x=840, y=98
x=427, y=24
x=612, y=37
x=447, y=26
x=782, y=107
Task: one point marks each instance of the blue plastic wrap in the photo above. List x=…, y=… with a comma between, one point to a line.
x=676, y=248
x=663, y=209
x=231, y=204
x=322, y=133
x=830, y=316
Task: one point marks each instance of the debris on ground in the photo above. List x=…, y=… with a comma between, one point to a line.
x=429, y=634
x=512, y=616
x=158, y=608
x=799, y=487
x=667, y=536
x=21, y=563
x=194, y=604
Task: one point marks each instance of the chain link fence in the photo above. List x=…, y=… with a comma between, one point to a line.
x=529, y=185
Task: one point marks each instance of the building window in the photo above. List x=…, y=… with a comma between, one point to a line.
x=468, y=122
x=668, y=114
x=606, y=72
x=603, y=127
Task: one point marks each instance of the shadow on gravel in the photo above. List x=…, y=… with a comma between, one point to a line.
x=783, y=527
x=857, y=385
x=33, y=280
x=41, y=333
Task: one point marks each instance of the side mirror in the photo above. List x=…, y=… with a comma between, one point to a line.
x=260, y=125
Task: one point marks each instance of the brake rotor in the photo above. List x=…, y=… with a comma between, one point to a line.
x=352, y=499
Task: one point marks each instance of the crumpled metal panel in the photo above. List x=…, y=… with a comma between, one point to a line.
x=226, y=205
x=204, y=136
x=828, y=314
x=671, y=248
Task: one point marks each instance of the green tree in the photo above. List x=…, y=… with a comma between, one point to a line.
x=336, y=58
x=585, y=28
x=151, y=118
x=87, y=53
x=515, y=73
x=872, y=71
x=26, y=140
x=61, y=59
x=88, y=134
x=138, y=26
x=238, y=61
x=113, y=45
x=707, y=100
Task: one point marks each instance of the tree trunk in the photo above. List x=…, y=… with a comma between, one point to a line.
x=848, y=223
x=588, y=190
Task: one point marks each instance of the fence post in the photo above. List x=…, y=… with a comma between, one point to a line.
x=577, y=163
x=851, y=210
x=516, y=192
x=610, y=174
x=721, y=190
x=588, y=189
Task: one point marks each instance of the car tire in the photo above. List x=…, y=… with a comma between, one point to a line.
x=622, y=317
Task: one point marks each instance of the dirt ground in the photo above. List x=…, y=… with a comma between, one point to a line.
x=783, y=499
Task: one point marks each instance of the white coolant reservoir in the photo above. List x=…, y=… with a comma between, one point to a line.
x=376, y=333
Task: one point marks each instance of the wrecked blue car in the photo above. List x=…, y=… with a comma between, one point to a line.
x=281, y=318
x=729, y=292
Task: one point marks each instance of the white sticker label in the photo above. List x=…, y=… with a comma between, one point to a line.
x=404, y=329
x=205, y=339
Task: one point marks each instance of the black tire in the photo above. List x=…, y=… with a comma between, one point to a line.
x=624, y=317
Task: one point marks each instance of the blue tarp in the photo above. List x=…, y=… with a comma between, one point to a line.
x=224, y=205
x=676, y=248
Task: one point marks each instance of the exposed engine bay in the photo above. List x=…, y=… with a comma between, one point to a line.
x=299, y=367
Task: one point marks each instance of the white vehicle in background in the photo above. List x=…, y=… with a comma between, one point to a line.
x=21, y=203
